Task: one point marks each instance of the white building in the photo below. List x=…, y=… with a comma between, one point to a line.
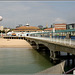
x=1, y=28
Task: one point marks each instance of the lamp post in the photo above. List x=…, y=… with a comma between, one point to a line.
x=5, y=32
x=53, y=32
x=1, y=20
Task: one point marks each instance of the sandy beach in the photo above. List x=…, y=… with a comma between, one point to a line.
x=12, y=43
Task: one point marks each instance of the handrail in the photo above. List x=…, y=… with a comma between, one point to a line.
x=70, y=70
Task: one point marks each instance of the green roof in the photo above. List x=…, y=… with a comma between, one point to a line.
x=69, y=30
x=57, y=31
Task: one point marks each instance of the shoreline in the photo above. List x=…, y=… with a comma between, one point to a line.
x=14, y=47
x=14, y=43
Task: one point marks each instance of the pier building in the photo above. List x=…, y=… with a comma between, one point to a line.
x=24, y=30
x=27, y=28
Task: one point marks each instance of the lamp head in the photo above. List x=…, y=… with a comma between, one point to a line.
x=1, y=18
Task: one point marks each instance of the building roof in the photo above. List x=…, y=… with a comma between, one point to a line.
x=50, y=29
x=27, y=28
x=71, y=24
x=60, y=24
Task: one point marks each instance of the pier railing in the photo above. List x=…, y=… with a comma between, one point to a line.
x=71, y=70
x=58, y=40
x=63, y=41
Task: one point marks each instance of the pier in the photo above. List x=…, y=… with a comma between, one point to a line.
x=54, y=46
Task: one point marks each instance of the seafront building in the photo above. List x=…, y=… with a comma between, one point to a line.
x=57, y=27
x=62, y=31
x=24, y=30
x=27, y=28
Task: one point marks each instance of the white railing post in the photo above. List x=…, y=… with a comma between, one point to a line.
x=70, y=41
x=73, y=72
x=60, y=40
x=57, y=40
x=52, y=39
x=64, y=41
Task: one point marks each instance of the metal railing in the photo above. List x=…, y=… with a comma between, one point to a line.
x=69, y=71
x=58, y=40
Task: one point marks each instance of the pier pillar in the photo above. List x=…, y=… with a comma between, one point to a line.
x=68, y=60
x=59, y=53
x=73, y=60
x=53, y=56
x=37, y=46
x=32, y=43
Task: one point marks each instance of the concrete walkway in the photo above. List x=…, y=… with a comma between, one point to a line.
x=58, y=69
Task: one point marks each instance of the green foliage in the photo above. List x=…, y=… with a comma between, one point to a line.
x=2, y=31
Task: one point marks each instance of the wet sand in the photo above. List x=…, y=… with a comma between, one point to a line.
x=12, y=43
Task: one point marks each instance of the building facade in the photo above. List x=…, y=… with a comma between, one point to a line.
x=57, y=27
x=27, y=28
x=70, y=26
x=1, y=28
x=60, y=26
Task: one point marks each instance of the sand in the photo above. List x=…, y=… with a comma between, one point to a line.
x=12, y=43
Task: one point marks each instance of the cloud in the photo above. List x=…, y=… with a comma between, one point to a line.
x=59, y=20
x=36, y=13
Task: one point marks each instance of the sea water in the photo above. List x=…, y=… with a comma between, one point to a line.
x=22, y=61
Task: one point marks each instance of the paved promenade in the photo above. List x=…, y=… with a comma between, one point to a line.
x=57, y=69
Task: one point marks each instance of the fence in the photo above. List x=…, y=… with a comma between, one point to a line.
x=58, y=40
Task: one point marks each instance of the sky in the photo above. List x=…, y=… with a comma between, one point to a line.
x=36, y=13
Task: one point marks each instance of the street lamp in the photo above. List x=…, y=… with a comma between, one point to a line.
x=1, y=20
x=53, y=32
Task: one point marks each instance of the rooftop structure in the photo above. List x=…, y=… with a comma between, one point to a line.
x=70, y=26
x=27, y=24
x=27, y=28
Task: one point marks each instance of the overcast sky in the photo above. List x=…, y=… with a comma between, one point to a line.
x=36, y=13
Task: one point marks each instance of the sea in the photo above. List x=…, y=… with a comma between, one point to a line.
x=25, y=61
x=22, y=61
